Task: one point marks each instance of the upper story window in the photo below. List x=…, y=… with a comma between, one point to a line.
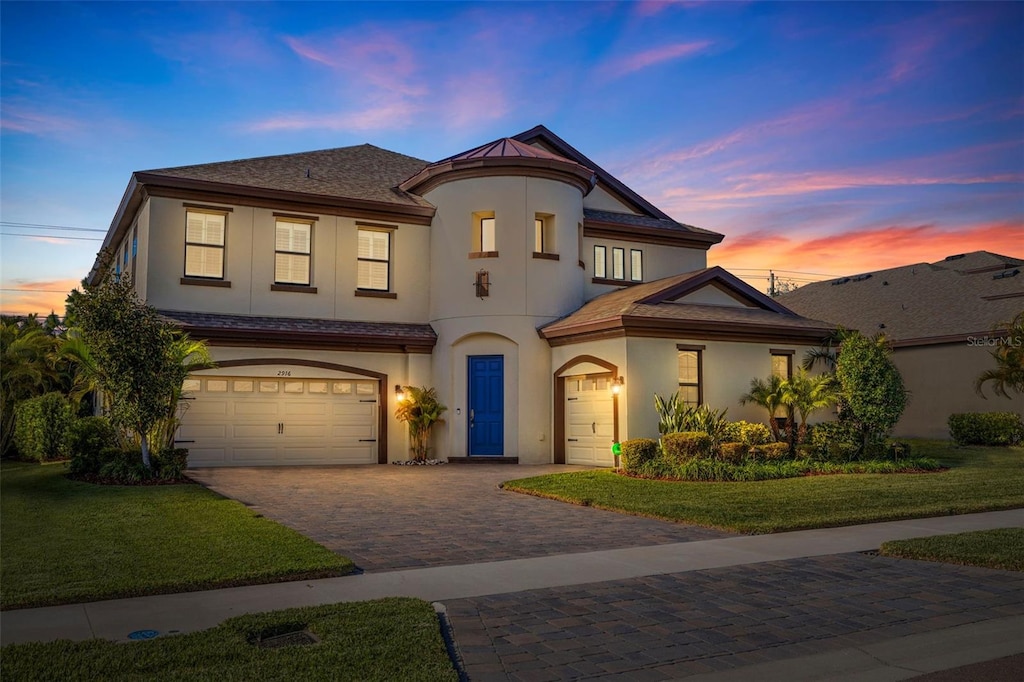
x=485, y=238
x=691, y=376
x=544, y=234
x=636, y=265
x=292, y=251
x=618, y=263
x=600, y=261
x=204, y=244
x=374, y=260
x=782, y=363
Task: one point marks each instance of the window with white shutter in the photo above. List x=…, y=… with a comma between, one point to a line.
x=292, y=249
x=374, y=260
x=204, y=244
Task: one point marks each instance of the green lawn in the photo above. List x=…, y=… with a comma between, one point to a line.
x=980, y=479
x=999, y=548
x=387, y=639
x=66, y=541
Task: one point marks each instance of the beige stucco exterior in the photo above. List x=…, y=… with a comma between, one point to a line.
x=941, y=379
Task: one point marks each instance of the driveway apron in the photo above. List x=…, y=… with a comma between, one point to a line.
x=390, y=517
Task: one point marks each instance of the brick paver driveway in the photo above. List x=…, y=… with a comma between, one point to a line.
x=390, y=517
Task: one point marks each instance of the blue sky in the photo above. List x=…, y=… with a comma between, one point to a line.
x=826, y=138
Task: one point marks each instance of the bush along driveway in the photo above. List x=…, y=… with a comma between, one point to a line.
x=66, y=541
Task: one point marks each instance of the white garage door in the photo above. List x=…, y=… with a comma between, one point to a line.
x=589, y=422
x=252, y=421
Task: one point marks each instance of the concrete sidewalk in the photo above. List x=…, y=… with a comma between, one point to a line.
x=191, y=611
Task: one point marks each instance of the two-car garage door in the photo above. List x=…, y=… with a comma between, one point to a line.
x=254, y=421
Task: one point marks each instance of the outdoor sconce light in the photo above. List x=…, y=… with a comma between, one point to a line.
x=399, y=393
x=617, y=384
x=482, y=283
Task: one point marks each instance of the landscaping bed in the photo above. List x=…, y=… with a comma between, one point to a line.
x=978, y=479
x=999, y=548
x=69, y=541
x=386, y=639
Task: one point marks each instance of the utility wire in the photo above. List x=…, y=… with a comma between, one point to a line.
x=49, y=236
x=42, y=291
x=39, y=226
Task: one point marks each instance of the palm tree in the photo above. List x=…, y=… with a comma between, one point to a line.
x=806, y=395
x=1008, y=374
x=192, y=355
x=767, y=394
x=421, y=409
x=25, y=370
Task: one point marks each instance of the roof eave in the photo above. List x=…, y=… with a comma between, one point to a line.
x=656, y=235
x=457, y=169
x=219, y=336
x=633, y=325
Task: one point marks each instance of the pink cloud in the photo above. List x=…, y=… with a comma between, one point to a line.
x=19, y=119
x=389, y=115
x=38, y=296
x=622, y=66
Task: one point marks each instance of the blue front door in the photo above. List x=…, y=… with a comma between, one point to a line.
x=486, y=405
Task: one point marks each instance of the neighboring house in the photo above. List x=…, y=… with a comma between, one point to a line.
x=518, y=278
x=940, y=319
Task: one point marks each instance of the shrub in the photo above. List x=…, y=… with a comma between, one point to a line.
x=123, y=466
x=734, y=453
x=872, y=394
x=682, y=447
x=170, y=464
x=703, y=419
x=770, y=452
x=88, y=437
x=638, y=451
x=41, y=427
x=748, y=433
x=986, y=428
x=837, y=441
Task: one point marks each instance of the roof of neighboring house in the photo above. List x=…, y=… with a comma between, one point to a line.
x=308, y=332
x=654, y=309
x=361, y=172
x=920, y=303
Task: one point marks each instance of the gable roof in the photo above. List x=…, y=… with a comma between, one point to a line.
x=652, y=224
x=920, y=303
x=652, y=309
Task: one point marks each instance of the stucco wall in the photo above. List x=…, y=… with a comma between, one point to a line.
x=602, y=200
x=658, y=261
x=941, y=380
x=249, y=266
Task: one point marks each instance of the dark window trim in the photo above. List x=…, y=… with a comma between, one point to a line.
x=632, y=275
x=308, y=254
x=382, y=230
x=483, y=254
x=207, y=208
x=375, y=293
x=297, y=288
x=376, y=226
x=614, y=282
x=621, y=250
x=223, y=247
x=546, y=256
x=205, y=282
x=604, y=262
x=480, y=231
x=699, y=350
x=788, y=354
x=296, y=216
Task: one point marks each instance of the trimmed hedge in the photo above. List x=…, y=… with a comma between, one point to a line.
x=770, y=452
x=88, y=437
x=748, y=433
x=986, y=428
x=41, y=427
x=682, y=447
x=636, y=452
x=734, y=453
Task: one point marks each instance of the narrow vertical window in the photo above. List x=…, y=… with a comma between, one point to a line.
x=691, y=389
x=204, y=244
x=618, y=263
x=292, y=252
x=600, y=261
x=579, y=244
x=135, y=247
x=487, y=241
x=782, y=363
x=636, y=265
x=374, y=260
x=538, y=235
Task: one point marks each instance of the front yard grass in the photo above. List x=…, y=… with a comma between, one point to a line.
x=999, y=548
x=979, y=479
x=386, y=639
x=66, y=541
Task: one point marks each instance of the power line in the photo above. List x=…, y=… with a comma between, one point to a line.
x=49, y=236
x=42, y=291
x=40, y=226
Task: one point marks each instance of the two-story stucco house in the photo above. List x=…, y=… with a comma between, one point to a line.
x=518, y=278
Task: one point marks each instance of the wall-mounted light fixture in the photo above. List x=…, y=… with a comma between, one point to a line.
x=399, y=393
x=482, y=283
x=617, y=384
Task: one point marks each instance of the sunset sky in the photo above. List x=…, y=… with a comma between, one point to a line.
x=821, y=138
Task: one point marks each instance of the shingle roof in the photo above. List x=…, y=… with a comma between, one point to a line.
x=362, y=172
x=306, y=327
x=634, y=220
x=652, y=301
x=956, y=296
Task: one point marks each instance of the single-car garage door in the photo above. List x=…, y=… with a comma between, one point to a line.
x=589, y=421
x=253, y=421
